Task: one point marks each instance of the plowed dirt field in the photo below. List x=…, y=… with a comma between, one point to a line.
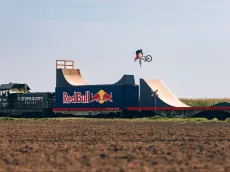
x=113, y=145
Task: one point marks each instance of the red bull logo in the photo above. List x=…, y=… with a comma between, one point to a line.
x=100, y=97
x=76, y=98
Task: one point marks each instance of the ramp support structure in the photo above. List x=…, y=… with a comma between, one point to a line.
x=64, y=64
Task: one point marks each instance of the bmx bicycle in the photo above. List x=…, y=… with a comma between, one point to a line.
x=147, y=58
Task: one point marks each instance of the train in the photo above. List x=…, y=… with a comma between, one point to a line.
x=124, y=99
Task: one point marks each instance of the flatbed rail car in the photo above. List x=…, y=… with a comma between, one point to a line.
x=220, y=113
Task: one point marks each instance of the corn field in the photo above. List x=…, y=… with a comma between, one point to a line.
x=203, y=102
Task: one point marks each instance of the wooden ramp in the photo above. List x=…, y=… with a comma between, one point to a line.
x=66, y=75
x=164, y=98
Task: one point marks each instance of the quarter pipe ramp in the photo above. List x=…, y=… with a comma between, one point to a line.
x=165, y=97
x=66, y=75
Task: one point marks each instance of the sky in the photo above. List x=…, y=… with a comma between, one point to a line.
x=188, y=40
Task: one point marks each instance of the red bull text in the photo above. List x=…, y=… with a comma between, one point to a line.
x=100, y=97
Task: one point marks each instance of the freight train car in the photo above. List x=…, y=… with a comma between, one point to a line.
x=74, y=96
x=90, y=100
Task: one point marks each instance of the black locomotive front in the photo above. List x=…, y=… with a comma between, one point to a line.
x=16, y=100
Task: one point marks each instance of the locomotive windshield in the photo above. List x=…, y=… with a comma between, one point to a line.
x=6, y=89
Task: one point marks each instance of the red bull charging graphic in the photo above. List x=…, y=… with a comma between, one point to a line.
x=77, y=97
x=102, y=97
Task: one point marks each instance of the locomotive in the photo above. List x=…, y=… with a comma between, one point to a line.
x=17, y=100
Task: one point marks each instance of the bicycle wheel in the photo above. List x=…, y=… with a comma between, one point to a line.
x=148, y=58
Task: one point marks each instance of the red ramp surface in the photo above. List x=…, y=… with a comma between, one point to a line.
x=165, y=97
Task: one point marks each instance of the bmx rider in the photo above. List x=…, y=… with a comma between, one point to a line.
x=138, y=52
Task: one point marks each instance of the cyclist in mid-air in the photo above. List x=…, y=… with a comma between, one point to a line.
x=138, y=52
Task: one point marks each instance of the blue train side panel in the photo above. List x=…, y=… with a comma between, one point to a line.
x=130, y=96
x=97, y=96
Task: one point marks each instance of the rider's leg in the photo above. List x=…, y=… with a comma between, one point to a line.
x=140, y=62
x=137, y=57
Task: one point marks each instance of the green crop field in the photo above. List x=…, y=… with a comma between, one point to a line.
x=203, y=102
